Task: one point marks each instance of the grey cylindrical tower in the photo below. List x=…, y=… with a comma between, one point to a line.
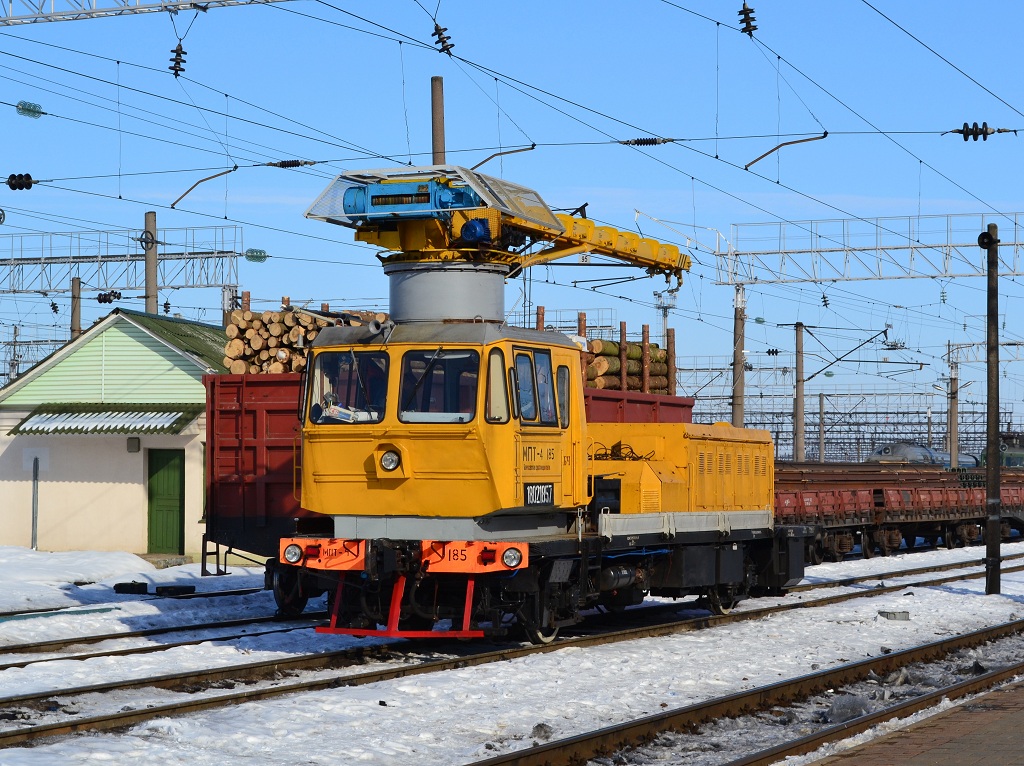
x=436, y=292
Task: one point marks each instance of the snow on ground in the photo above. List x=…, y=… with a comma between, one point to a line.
x=457, y=716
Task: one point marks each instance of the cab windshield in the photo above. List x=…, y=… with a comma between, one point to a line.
x=438, y=386
x=348, y=387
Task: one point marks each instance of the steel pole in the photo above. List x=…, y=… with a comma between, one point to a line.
x=821, y=428
x=437, y=119
x=149, y=245
x=35, y=503
x=993, y=523
x=76, y=307
x=738, y=361
x=798, y=398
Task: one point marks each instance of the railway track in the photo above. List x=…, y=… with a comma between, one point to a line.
x=615, y=739
x=18, y=614
x=313, y=618
x=56, y=645
x=204, y=694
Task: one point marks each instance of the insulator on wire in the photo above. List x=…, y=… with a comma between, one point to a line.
x=178, y=61
x=824, y=300
x=28, y=109
x=442, y=39
x=973, y=131
x=167, y=307
x=646, y=141
x=747, y=20
x=19, y=181
x=773, y=352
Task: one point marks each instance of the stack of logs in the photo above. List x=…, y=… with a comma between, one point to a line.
x=277, y=341
x=604, y=369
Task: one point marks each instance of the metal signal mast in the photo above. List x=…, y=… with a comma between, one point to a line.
x=34, y=11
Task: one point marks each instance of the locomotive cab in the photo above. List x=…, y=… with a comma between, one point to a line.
x=436, y=449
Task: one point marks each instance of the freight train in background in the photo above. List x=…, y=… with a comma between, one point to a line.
x=442, y=473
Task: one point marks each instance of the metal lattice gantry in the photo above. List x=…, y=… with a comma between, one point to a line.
x=867, y=249
x=967, y=353
x=44, y=263
x=34, y=11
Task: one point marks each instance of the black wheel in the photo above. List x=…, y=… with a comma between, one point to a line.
x=540, y=636
x=815, y=553
x=720, y=603
x=883, y=544
x=288, y=592
x=867, y=545
x=949, y=538
x=531, y=618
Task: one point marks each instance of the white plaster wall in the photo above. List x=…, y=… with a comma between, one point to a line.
x=92, y=491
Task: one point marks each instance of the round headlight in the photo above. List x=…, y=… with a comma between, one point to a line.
x=293, y=554
x=512, y=557
x=389, y=460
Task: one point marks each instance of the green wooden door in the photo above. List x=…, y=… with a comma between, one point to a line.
x=166, y=501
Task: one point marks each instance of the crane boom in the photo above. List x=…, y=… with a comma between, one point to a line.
x=440, y=213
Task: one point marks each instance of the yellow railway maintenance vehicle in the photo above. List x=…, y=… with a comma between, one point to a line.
x=454, y=485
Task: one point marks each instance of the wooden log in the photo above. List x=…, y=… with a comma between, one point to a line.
x=236, y=317
x=289, y=319
x=311, y=335
x=256, y=324
x=250, y=332
x=610, y=365
x=659, y=368
x=657, y=381
x=227, y=361
x=232, y=331
x=275, y=368
x=294, y=334
x=257, y=342
x=238, y=367
x=276, y=329
x=273, y=342
x=266, y=317
x=234, y=348
x=264, y=355
x=282, y=355
x=254, y=369
x=298, y=364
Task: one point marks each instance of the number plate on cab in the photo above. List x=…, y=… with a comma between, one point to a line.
x=539, y=494
x=473, y=556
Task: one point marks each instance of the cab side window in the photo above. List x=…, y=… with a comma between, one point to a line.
x=563, y=395
x=524, y=383
x=497, y=408
x=535, y=388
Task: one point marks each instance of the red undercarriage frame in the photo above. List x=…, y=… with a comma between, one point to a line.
x=392, y=631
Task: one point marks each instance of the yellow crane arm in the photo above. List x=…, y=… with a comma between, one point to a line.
x=582, y=235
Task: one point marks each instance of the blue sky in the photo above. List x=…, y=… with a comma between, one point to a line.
x=347, y=85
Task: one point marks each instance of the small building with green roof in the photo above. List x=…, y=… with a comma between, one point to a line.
x=102, y=443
